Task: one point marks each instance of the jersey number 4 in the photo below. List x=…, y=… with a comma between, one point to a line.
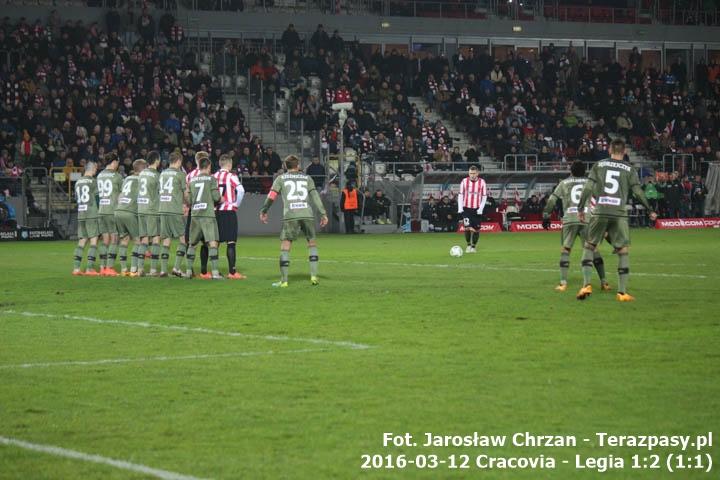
x=297, y=190
x=166, y=187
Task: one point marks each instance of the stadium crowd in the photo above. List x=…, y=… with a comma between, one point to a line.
x=76, y=92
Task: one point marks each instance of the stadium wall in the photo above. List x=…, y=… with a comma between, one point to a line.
x=249, y=224
x=368, y=29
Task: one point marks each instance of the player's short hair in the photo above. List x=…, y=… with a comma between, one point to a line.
x=89, y=166
x=153, y=157
x=139, y=164
x=203, y=163
x=473, y=168
x=291, y=161
x=175, y=157
x=617, y=147
x=225, y=159
x=111, y=157
x=577, y=169
x=199, y=155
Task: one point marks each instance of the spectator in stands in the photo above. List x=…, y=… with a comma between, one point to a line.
x=290, y=40
x=624, y=125
x=430, y=213
x=673, y=193
x=651, y=192
x=317, y=171
x=381, y=210
x=532, y=207
x=320, y=40
x=7, y=214
x=698, y=195
x=447, y=213
x=274, y=161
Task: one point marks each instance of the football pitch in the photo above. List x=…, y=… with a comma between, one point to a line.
x=119, y=378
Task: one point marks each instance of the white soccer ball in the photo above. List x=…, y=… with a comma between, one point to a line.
x=456, y=251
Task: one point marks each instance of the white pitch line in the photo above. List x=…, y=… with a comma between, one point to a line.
x=478, y=266
x=112, y=361
x=86, y=457
x=181, y=328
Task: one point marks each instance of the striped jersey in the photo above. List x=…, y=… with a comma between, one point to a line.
x=472, y=194
x=230, y=190
x=193, y=173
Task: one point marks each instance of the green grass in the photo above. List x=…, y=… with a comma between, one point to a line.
x=480, y=343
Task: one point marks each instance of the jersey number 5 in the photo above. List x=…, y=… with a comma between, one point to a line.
x=298, y=190
x=611, y=183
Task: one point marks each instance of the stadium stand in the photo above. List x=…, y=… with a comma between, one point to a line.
x=72, y=91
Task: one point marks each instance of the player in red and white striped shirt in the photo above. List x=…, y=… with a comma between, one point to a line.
x=231, y=194
x=471, y=202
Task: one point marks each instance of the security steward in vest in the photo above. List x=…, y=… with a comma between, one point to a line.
x=349, y=206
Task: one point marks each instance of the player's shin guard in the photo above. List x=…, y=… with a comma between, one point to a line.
x=123, y=257
x=179, y=254
x=231, y=257
x=599, y=266
x=214, y=260
x=564, y=266
x=164, y=258
x=91, y=257
x=468, y=236
x=587, y=265
x=77, y=259
x=112, y=255
x=154, y=257
x=142, y=248
x=474, y=239
x=190, y=259
x=623, y=271
x=313, y=261
x=103, y=255
x=204, y=254
x=134, y=260
x=284, y=265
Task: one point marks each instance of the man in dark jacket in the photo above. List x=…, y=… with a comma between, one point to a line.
x=697, y=196
x=290, y=39
x=673, y=195
x=317, y=171
x=446, y=213
x=381, y=214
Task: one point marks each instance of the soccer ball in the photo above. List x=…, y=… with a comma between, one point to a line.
x=456, y=251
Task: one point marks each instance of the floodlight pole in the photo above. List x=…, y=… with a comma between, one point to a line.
x=342, y=117
x=341, y=163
